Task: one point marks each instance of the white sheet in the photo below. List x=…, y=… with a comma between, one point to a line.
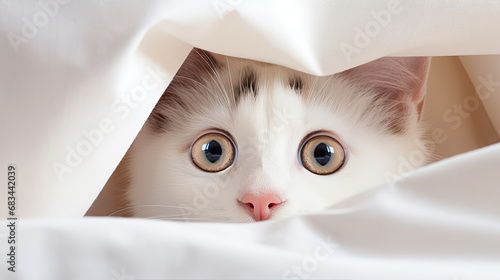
x=78, y=80
x=438, y=223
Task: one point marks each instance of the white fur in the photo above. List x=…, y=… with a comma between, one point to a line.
x=267, y=131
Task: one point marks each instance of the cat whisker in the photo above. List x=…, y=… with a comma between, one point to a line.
x=195, y=81
x=323, y=87
x=172, y=218
x=212, y=216
x=149, y=205
x=188, y=219
x=218, y=80
x=314, y=84
x=230, y=77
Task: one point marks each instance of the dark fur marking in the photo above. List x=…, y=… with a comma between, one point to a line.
x=210, y=60
x=396, y=126
x=158, y=122
x=247, y=85
x=296, y=84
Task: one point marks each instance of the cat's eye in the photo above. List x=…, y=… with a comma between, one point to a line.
x=213, y=152
x=322, y=155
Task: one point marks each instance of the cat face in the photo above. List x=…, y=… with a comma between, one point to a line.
x=234, y=140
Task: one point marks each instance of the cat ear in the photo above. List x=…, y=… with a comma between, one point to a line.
x=400, y=79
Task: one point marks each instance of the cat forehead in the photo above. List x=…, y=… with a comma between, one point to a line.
x=248, y=77
x=211, y=87
x=214, y=85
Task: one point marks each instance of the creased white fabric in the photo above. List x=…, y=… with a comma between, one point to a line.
x=79, y=78
x=438, y=223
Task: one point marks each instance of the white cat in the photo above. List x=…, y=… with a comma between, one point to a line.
x=234, y=140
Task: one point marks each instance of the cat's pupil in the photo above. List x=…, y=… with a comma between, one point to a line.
x=322, y=154
x=213, y=151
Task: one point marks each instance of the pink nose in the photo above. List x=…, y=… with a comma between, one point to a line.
x=261, y=205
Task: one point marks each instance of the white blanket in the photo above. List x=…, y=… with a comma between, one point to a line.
x=79, y=78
